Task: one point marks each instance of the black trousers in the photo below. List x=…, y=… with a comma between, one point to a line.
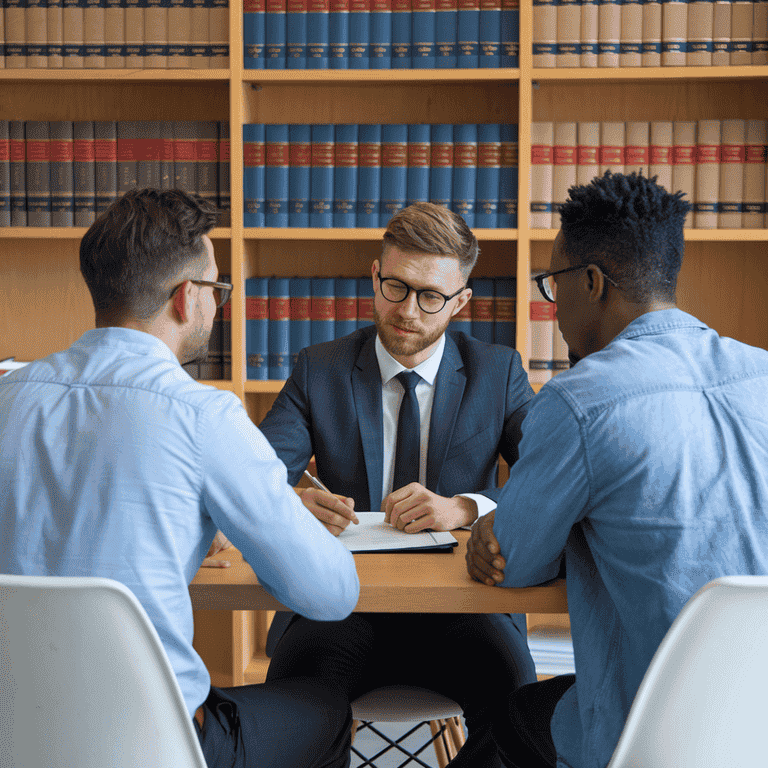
x=295, y=723
x=475, y=659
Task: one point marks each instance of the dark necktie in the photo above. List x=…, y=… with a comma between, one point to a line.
x=407, y=450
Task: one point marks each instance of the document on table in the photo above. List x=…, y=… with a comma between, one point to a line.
x=372, y=534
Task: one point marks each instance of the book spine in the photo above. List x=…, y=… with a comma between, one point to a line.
x=721, y=33
x=134, y=33
x=700, y=33
x=199, y=46
x=488, y=172
x=212, y=367
x=742, y=16
x=127, y=164
x=114, y=34
x=381, y=34
x=441, y=164
x=253, y=34
x=105, y=163
x=345, y=312
x=760, y=33
x=62, y=174
x=17, y=163
x=563, y=165
x=482, y=308
x=5, y=174
x=423, y=34
x=465, y=172
x=224, y=175
x=394, y=169
x=652, y=13
x=338, y=34
x=278, y=331
x=318, y=34
x=74, y=33
x=15, y=19
x=560, y=360
x=296, y=34
x=37, y=34
x=418, y=163
x=257, y=328
x=276, y=172
x=346, y=154
x=148, y=150
x=184, y=155
x=544, y=33
x=54, y=13
x=660, y=155
x=206, y=158
x=636, y=151
x=84, y=172
x=94, y=20
x=364, y=301
x=462, y=320
x=226, y=336
x=275, y=34
x=359, y=34
x=707, y=174
x=167, y=180
x=587, y=152
x=541, y=335
x=754, y=174
x=631, y=41
x=300, y=166
x=510, y=33
x=468, y=33
x=300, y=291
x=218, y=33
x=684, y=163
x=568, y=33
x=608, y=32
x=589, y=33
x=508, y=176
x=38, y=154
x=505, y=311
x=612, y=147
x=369, y=176
x=674, y=31
x=322, y=310
x=489, y=55
x=402, y=55
x=732, y=160
x=321, y=176
x=446, y=32
x=254, y=157
x=180, y=33
x=540, y=182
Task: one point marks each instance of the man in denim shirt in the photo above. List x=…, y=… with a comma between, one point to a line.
x=645, y=465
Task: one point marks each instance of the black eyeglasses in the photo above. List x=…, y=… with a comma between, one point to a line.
x=221, y=291
x=428, y=299
x=546, y=284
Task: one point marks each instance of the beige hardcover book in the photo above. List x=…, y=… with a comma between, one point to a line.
x=587, y=152
x=179, y=35
x=608, y=33
x=218, y=32
x=545, y=34
x=700, y=31
x=540, y=181
x=755, y=139
x=54, y=15
x=588, y=26
x=637, y=149
x=134, y=34
x=631, y=43
x=760, y=32
x=652, y=33
x=540, y=336
x=732, y=150
x=563, y=166
x=37, y=34
x=15, y=35
x=2, y=38
x=721, y=33
x=741, y=32
x=200, y=42
x=114, y=34
x=660, y=154
x=674, y=32
x=74, y=34
x=568, y=33
x=707, y=174
x=612, y=147
x=684, y=163
x=94, y=33
x=155, y=35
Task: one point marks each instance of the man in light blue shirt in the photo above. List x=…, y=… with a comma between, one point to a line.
x=644, y=465
x=115, y=463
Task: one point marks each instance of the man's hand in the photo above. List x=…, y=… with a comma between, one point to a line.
x=333, y=511
x=219, y=543
x=484, y=562
x=413, y=508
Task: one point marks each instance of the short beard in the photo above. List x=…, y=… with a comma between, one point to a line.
x=194, y=348
x=406, y=347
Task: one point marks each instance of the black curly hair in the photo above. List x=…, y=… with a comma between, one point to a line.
x=632, y=228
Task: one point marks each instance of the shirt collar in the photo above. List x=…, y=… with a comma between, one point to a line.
x=659, y=322
x=389, y=367
x=136, y=342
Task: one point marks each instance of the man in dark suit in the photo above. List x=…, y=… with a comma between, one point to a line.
x=406, y=418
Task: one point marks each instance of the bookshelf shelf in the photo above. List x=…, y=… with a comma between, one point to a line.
x=646, y=74
x=691, y=235
x=374, y=76
x=115, y=75
x=366, y=235
x=75, y=233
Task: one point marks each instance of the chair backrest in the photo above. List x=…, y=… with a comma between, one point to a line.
x=85, y=681
x=702, y=700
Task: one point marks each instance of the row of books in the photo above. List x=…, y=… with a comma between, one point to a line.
x=719, y=164
x=649, y=33
x=218, y=363
x=360, y=175
x=64, y=173
x=284, y=315
x=380, y=34
x=114, y=34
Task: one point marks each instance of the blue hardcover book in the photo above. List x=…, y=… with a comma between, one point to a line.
x=417, y=189
x=296, y=34
x=369, y=176
x=318, y=34
x=253, y=174
x=276, y=175
x=465, y=171
x=401, y=34
x=359, y=34
x=300, y=331
x=482, y=308
x=253, y=34
x=446, y=34
x=345, y=172
x=468, y=34
x=505, y=323
x=279, y=338
x=256, y=327
x=300, y=166
x=381, y=34
x=510, y=33
x=441, y=164
x=321, y=177
x=423, y=34
x=274, y=34
x=346, y=306
x=322, y=310
x=338, y=34
x=364, y=301
x=508, y=177
x=394, y=170
x=490, y=34
x=488, y=170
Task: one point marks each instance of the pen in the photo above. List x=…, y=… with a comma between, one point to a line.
x=320, y=485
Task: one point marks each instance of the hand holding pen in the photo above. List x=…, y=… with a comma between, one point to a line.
x=333, y=511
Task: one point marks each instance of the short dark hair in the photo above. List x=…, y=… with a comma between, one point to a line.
x=431, y=228
x=632, y=228
x=136, y=250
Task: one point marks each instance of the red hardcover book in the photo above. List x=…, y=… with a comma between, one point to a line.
x=84, y=172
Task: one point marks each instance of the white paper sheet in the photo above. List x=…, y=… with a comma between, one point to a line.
x=374, y=535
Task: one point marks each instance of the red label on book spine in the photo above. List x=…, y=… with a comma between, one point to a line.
x=38, y=151
x=105, y=150
x=5, y=150
x=208, y=150
x=184, y=150
x=542, y=154
x=62, y=151
x=660, y=155
x=465, y=155
x=224, y=147
x=254, y=154
x=365, y=309
x=482, y=308
x=322, y=154
x=636, y=155
x=253, y=6
x=755, y=153
x=465, y=313
x=300, y=308
x=279, y=308
x=369, y=155
x=564, y=155
x=394, y=155
x=509, y=154
x=346, y=308
x=321, y=308
x=488, y=155
x=275, y=6
x=418, y=155
x=441, y=155
x=17, y=151
x=707, y=153
x=300, y=155
x=685, y=154
x=732, y=153
x=611, y=155
x=346, y=155
x=587, y=155
x=340, y=6
x=256, y=308
x=505, y=309
x=542, y=310
x=277, y=154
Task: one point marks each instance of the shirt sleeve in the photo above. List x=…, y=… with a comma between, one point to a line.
x=246, y=493
x=546, y=494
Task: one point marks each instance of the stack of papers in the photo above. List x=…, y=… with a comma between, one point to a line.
x=372, y=534
x=552, y=650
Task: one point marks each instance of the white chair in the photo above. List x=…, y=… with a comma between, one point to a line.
x=701, y=703
x=85, y=681
x=409, y=704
